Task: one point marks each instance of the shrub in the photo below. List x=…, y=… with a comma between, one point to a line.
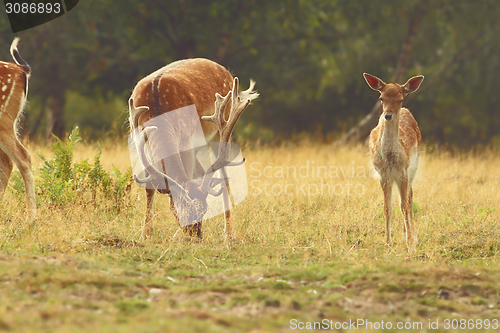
x=63, y=181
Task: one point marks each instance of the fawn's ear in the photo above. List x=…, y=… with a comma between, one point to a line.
x=374, y=82
x=412, y=84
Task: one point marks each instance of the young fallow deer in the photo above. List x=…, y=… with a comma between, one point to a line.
x=394, y=149
x=13, y=94
x=214, y=92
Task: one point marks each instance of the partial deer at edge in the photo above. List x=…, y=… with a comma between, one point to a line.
x=13, y=94
x=394, y=149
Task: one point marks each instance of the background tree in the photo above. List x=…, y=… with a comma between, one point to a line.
x=306, y=56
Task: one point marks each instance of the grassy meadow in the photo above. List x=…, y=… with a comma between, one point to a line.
x=310, y=249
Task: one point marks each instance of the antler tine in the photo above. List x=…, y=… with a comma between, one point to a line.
x=219, y=163
x=237, y=108
x=225, y=130
x=220, y=106
x=236, y=98
x=145, y=180
x=142, y=156
x=137, y=112
x=215, y=193
x=148, y=165
x=141, y=145
x=249, y=91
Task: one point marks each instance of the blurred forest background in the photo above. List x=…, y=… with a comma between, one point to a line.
x=307, y=57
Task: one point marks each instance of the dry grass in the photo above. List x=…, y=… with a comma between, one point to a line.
x=310, y=246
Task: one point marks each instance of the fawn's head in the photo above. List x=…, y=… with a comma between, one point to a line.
x=392, y=94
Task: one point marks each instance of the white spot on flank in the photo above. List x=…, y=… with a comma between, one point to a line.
x=8, y=81
x=4, y=88
x=10, y=75
x=3, y=97
x=4, y=105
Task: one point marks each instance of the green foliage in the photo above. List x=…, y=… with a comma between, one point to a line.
x=306, y=56
x=132, y=306
x=58, y=176
x=17, y=188
x=64, y=181
x=96, y=116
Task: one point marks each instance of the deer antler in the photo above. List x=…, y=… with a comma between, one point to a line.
x=144, y=160
x=225, y=130
x=154, y=172
x=237, y=108
x=135, y=112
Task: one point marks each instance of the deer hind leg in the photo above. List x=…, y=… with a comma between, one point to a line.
x=226, y=205
x=172, y=206
x=21, y=157
x=387, y=189
x=410, y=213
x=411, y=176
x=147, y=229
x=405, y=209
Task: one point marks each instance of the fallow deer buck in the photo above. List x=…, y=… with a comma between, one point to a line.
x=394, y=148
x=13, y=94
x=198, y=82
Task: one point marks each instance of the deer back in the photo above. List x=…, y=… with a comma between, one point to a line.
x=183, y=83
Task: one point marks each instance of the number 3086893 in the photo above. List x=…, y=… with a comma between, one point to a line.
x=471, y=324
x=33, y=8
